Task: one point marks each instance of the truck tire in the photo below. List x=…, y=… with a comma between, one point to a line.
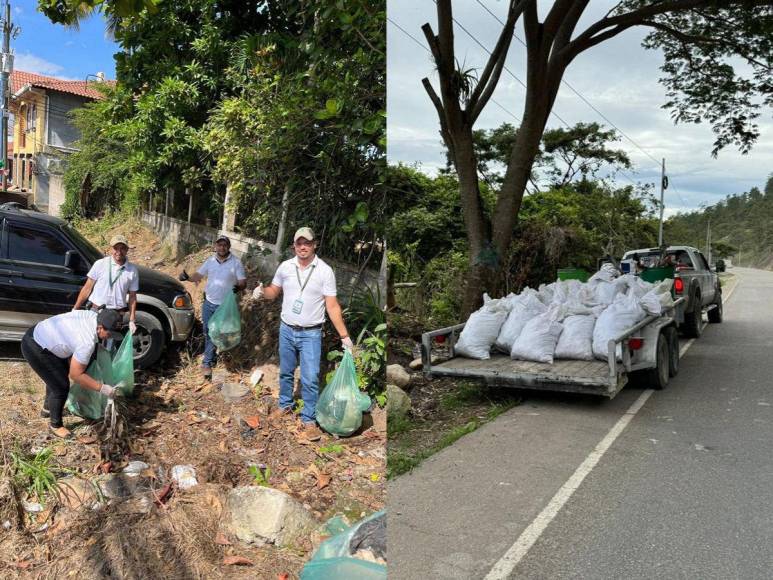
x=149, y=341
x=673, y=350
x=657, y=378
x=715, y=314
x=693, y=323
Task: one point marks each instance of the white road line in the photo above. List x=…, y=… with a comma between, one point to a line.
x=505, y=566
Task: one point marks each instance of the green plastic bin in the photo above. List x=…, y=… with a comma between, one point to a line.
x=573, y=274
x=655, y=275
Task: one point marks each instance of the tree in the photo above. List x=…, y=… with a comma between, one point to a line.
x=699, y=38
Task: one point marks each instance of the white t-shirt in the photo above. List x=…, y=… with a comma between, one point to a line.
x=69, y=334
x=221, y=276
x=321, y=283
x=124, y=278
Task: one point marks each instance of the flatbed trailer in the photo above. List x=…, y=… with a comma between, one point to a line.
x=650, y=347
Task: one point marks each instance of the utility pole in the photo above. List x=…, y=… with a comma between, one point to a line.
x=7, y=67
x=708, y=241
x=663, y=187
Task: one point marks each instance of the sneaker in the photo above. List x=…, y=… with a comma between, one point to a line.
x=310, y=432
x=206, y=372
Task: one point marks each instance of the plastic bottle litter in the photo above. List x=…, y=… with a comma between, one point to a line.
x=134, y=468
x=184, y=476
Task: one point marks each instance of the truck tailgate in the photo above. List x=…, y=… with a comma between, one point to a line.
x=592, y=377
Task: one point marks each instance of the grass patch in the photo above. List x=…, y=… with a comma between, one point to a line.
x=35, y=474
x=461, y=409
x=398, y=424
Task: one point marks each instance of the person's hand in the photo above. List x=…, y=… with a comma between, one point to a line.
x=184, y=276
x=132, y=327
x=347, y=343
x=108, y=390
x=257, y=294
x=236, y=289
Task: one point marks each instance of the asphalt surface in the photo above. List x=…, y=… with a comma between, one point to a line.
x=685, y=491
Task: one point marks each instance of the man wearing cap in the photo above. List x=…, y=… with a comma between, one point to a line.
x=112, y=282
x=308, y=288
x=224, y=273
x=59, y=349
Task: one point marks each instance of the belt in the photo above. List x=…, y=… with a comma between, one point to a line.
x=96, y=308
x=296, y=327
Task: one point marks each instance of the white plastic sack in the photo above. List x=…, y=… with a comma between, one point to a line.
x=651, y=303
x=482, y=329
x=546, y=293
x=664, y=286
x=635, y=284
x=576, y=340
x=527, y=307
x=621, y=315
x=607, y=273
x=606, y=292
x=537, y=341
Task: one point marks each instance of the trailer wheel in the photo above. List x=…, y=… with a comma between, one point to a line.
x=693, y=323
x=672, y=337
x=657, y=378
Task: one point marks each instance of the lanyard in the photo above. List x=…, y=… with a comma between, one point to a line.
x=110, y=277
x=298, y=274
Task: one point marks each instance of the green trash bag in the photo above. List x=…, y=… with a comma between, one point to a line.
x=85, y=402
x=335, y=556
x=116, y=370
x=123, y=366
x=225, y=326
x=340, y=407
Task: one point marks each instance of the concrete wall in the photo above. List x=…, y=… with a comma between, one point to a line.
x=256, y=253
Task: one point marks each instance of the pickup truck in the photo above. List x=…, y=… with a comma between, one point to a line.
x=649, y=349
x=43, y=265
x=693, y=279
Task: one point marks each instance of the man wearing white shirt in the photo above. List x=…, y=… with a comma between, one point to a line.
x=113, y=282
x=59, y=349
x=308, y=289
x=224, y=273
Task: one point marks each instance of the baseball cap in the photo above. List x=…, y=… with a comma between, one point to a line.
x=304, y=233
x=222, y=238
x=118, y=239
x=112, y=321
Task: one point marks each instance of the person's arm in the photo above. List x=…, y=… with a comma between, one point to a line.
x=336, y=316
x=78, y=374
x=271, y=292
x=132, y=306
x=85, y=292
x=196, y=277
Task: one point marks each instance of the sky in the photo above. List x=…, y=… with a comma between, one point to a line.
x=55, y=50
x=618, y=77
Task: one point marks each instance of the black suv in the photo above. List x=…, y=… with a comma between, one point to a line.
x=43, y=266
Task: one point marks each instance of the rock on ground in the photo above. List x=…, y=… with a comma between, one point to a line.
x=398, y=402
x=397, y=375
x=260, y=515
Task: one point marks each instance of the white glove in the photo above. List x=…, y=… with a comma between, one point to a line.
x=132, y=327
x=257, y=294
x=108, y=390
x=347, y=343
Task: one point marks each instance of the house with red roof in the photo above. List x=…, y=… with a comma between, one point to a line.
x=44, y=135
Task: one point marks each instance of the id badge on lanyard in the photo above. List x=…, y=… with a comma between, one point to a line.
x=298, y=304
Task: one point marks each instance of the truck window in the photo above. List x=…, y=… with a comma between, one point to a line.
x=683, y=259
x=31, y=245
x=704, y=262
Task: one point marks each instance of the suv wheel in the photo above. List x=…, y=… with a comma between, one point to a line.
x=149, y=340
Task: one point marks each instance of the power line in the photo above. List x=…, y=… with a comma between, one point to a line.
x=421, y=44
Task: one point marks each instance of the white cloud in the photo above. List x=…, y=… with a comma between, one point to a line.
x=28, y=62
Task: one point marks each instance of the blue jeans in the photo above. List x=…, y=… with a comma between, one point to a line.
x=306, y=344
x=210, y=351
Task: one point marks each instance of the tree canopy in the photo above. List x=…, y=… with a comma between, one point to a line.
x=717, y=68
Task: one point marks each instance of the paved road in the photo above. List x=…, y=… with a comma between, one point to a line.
x=686, y=491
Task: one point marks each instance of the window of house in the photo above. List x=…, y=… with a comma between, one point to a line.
x=31, y=245
x=34, y=117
